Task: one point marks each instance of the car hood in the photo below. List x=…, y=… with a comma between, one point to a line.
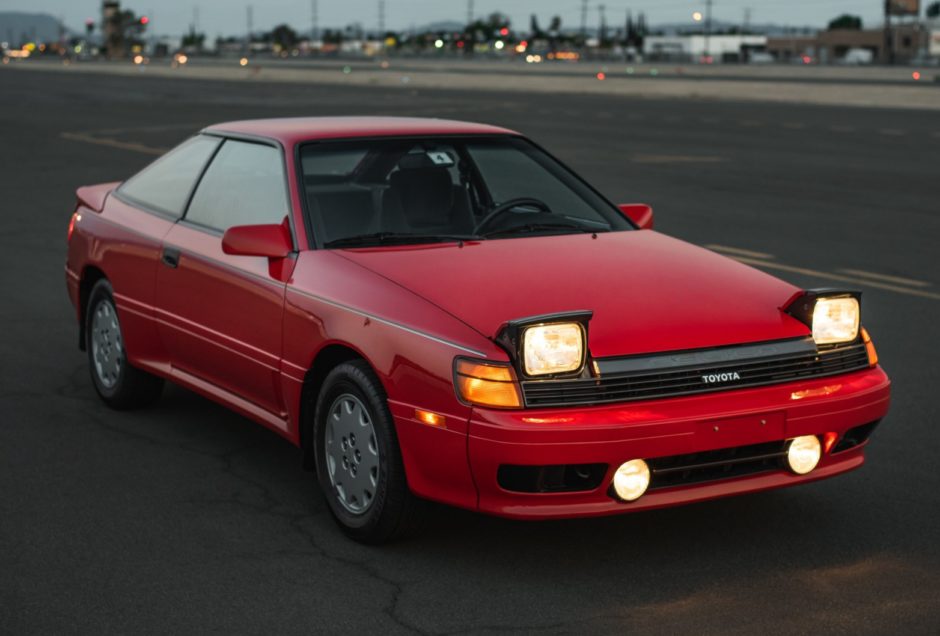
x=648, y=292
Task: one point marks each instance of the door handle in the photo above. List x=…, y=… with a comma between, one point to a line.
x=170, y=257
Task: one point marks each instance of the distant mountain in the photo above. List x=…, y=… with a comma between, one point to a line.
x=17, y=28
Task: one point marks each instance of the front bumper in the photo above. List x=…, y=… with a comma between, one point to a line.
x=613, y=434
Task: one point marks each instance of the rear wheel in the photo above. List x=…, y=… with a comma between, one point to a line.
x=359, y=464
x=119, y=384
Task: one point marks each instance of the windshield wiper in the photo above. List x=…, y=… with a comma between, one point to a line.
x=543, y=227
x=388, y=238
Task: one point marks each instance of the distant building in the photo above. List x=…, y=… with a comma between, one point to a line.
x=686, y=48
x=907, y=41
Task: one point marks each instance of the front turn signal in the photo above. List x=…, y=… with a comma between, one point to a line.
x=486, y=384
x=869, y=347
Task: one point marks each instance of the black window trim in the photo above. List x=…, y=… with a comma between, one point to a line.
x=313, y=239
x=122, y=196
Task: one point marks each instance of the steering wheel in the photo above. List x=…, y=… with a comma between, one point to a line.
x=506, y=206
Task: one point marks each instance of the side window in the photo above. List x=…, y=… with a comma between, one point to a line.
x=245, y=185
x=166, y=184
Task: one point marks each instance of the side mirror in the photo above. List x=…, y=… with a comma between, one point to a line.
x=271, y=241
x=639, y=213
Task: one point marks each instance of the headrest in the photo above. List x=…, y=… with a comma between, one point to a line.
x=426, y=195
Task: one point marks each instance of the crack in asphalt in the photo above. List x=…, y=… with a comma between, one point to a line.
x=92, y=410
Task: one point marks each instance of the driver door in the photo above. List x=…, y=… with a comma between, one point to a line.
x=221, y=315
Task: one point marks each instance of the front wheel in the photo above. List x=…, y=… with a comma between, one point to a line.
x=119, y=384
x=359, y=464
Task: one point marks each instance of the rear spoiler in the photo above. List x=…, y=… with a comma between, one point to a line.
x=94, y=196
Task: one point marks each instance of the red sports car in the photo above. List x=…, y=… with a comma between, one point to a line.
x=441, y=310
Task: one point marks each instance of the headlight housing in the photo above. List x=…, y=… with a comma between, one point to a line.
x=835, y=320
x=833, y=316
x=547, y=346
x=553, y=348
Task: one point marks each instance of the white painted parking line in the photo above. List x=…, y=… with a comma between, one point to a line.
x=837, y=277
x=892, y=132
x=737, y=250
x=676, y=159
x=900, y=280
x=114, y=143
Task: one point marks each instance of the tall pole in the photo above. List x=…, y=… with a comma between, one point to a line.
x=584, y=12
x=888, y=40
x=249, y=14
x=382, y=19
x=314, y=20
x=469, y=11
x=708, y=26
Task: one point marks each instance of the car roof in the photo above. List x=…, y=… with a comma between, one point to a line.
x=292, y=130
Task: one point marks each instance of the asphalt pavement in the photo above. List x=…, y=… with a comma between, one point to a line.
x=186, y=518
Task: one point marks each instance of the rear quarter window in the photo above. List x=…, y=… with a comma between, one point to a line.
x=165, y=185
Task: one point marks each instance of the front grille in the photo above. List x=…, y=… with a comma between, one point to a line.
x=699, y=371
x=726, y=463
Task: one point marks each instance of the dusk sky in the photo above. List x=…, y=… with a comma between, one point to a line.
x=227, y=17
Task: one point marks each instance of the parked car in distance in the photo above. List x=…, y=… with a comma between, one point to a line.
x=438, y=310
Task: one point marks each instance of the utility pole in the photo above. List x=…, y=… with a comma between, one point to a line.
x=382, y=19
x=602, y=29
x=196, y=19
x=315, y=20
x=250, y=16
x=469, y=11
x=888, y=40
x=708, y=27
x=747, y=19
x=584, y=12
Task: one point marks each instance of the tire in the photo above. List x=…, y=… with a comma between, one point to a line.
x=120, y=385
x=362, y=476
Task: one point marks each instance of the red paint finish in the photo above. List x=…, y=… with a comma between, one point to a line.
x=639, y=213
x=243, y=318
x=649, y=292
x=270, y=241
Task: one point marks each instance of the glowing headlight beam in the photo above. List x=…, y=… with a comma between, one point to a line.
x=835, y=320
x=553, y=348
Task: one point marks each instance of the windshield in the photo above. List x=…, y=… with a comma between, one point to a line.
x=401, y=191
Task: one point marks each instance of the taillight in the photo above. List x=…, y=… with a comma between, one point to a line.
x=76, y=217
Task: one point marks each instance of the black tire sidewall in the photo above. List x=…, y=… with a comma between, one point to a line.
x=381, y=517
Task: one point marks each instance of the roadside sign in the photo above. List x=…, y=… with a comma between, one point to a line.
x=903, y=7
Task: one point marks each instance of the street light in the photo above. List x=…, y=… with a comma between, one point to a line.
x=697, y=16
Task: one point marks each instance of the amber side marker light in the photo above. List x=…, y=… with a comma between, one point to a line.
x=869, y=347
x=429, y=418
x=486, y=384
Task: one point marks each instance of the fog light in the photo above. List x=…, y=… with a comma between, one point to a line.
x=632, y=479
x=803, y=454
